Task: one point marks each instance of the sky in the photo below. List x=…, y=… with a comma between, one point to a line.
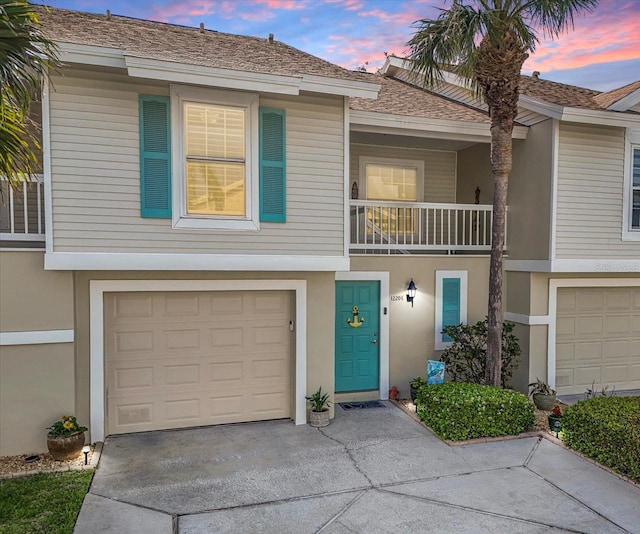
x=602, y=52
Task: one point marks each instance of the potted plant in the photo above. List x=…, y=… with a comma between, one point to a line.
x=555, y=419
x=543, y=396
x=319, y=415
x=65, y=438
x=415, y=385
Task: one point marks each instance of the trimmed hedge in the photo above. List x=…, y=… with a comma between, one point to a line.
x=606, y=429
x=459, y=411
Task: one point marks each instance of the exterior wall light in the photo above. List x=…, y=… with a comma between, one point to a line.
x=411, y=292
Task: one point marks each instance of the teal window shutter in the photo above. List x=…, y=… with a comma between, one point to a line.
x=273, y=183
x=155, y=157
x=450, y=304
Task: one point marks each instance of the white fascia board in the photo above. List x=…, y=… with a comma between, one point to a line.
x=172, y=71
x=88, y=261
x=604, y=118
x=625, y=103
x=540, y=106
x=91, y=55
x=473, y=131
x=334, y=86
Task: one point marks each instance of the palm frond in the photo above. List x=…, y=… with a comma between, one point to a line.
x=448, y=41
x=554, y=17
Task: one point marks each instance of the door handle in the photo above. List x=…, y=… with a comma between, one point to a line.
x=374, y=342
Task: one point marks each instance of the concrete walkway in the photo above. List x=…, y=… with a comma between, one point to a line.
x=370, y=471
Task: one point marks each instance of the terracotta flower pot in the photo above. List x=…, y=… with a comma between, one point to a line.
x=318, y=419
x=65, y=447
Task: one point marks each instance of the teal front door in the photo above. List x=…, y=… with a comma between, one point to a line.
x=357, y=336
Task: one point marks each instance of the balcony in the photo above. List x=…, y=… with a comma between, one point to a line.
x=22, y=214
x=380, y=227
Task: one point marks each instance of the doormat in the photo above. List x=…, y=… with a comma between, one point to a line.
x=360, y=405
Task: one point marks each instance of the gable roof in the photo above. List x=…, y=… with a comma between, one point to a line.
x=181, y=44
x=401, y=98
x=610, y=98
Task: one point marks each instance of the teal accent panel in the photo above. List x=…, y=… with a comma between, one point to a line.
x=450, y=304
x=273, y=157
x=155, y=157
x=357, y=350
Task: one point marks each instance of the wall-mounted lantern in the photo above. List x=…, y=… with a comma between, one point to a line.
x=411, y=292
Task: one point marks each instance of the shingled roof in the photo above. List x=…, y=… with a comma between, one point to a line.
x=559, y=93
x=400, y=98
x=170, y=42
x=611, y=97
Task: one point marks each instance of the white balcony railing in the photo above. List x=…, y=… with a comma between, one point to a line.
x=22, y=211
x=380, y=227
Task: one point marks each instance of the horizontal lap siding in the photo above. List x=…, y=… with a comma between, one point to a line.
x=96, y=183
x=439, y=169
x=590, y=194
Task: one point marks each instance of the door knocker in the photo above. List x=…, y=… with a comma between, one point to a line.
x=357, y=321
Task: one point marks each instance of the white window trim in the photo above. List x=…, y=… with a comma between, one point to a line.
x=440, y=276
x=98, y=288
x=632, y=143
x=250, y=101
x=391, y=162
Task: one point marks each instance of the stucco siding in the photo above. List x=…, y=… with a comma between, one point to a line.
x=439, y=169
x=590, y=194
x=32, y=298
x=96, y=183
x=37, y=386
x=412, y=329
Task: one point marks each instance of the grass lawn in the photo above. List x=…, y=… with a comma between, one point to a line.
x=47, y=502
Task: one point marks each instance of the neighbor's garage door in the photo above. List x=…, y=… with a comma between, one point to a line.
x=597, y=339
x=186, y=359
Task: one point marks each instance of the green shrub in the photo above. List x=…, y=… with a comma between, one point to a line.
x=459, y=411
x=606, y=429
x=466, y=358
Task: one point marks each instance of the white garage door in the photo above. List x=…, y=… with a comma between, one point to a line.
x=178, y=359
x=597, y=339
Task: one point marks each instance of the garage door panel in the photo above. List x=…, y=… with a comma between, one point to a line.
x=615, y=374
x=589, y=301
x=597, y=338
x=565, y=352
x=587, y=352
x=618, y=300
x=617, y=325
x=134, y=305
x=188, y=369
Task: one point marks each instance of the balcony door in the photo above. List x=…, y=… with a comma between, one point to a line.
x=393, y=182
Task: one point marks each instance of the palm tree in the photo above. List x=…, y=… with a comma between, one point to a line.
x=487, y=44
x=25, y=56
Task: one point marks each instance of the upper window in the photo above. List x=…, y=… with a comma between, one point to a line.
x=635, y=188
x=215, y=159
x=395, y=181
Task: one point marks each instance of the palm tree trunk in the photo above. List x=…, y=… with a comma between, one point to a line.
x=501, y=148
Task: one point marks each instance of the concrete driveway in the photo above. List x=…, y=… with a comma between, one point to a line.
x=373, y=470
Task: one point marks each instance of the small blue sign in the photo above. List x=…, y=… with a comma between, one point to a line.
x=435, y=372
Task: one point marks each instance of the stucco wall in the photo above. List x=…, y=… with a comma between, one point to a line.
x=412, y=330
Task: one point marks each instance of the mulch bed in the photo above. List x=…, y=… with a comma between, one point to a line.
x=16, y=465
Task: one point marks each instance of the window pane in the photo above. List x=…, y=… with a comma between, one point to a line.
x=215, y=188
x=214, y=131
x=385, y=182
x=636, y=167
x=635, y=214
